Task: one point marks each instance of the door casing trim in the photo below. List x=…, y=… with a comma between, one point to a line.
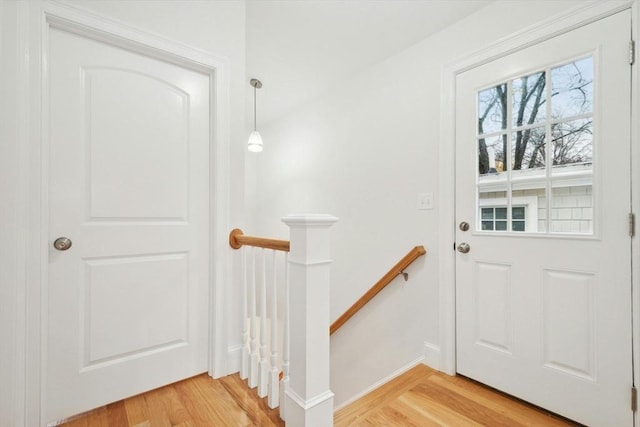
x=581, y=15
x=37, y=19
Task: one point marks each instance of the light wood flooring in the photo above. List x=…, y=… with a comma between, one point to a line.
x=420, y=397
x=423, y=397
x=196, y=402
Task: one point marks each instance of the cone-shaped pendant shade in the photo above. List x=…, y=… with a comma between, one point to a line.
x=255, y=142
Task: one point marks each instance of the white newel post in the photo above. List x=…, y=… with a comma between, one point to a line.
x=309, y=400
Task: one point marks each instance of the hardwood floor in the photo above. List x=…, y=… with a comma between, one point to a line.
x=420, y=397
x=424, y=397
x=198, y=401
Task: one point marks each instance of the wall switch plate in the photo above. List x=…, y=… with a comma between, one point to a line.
x=425, y=201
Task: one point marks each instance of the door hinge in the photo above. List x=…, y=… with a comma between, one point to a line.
x=632, y=52
x=634, y=399
x=632, y=224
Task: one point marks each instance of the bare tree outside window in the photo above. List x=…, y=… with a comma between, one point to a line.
x=493, y=106
x=539, y=129
x=571, y=128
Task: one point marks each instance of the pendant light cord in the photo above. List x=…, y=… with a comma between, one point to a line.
x=255, y=128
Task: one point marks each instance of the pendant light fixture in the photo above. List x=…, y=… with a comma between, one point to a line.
x=255, y=140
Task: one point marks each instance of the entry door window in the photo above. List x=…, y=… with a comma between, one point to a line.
x=535, y=138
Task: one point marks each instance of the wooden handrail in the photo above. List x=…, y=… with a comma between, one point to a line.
x=397, y=269
x=237, y=239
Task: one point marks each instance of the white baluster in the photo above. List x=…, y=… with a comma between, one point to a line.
x=253, y=372
x=244, y=368
x=264, y=367
x=274, y=381
x=285, y=341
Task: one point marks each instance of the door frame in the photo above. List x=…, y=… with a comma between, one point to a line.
x=36, y=19
x=576, y=17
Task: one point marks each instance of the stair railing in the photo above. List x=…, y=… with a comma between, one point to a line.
x=303, y=393
x=302, y=390
x=253, y=366
x=396, y=270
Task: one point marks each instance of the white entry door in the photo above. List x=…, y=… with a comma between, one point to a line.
x=127, y=303
x=543, y=271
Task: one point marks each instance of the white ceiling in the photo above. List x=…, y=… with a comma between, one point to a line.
x=299, y=48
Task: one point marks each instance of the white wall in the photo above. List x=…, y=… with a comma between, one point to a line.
x=363, y=152
x=215, y=27
x=12, y=215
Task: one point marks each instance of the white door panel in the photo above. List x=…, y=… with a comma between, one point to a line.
x=129, y=185
x=543, y=305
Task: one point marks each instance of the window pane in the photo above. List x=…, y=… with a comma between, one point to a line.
x=572, y=88
x=528, y=149
x=487, y=213
x=487, y=225
x=517, y=212
x=492, y=153
x=549, y=134
x=535, y=212
x=492, y=109
x=571, y=209
x=517, y=225
x=573, y=142
x=528, y=101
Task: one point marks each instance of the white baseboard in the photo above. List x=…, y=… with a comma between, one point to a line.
x=432, y=356
x=382, y=382
x=234, y=359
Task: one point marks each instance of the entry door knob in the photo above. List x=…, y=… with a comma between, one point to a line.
x=464, y=248
x=62, y=243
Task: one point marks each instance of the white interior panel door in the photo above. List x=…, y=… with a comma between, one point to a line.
x=127, y=307
x=543, y=270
